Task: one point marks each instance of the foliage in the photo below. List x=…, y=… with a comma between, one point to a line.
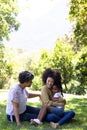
x=78, y=15
x=1, y=51
x=17, y=58
x=29, y=64
x=78, y=85
x=62, y=60
x=5, y=68
x=81, y=71
x=76, y=88
x=44, y=61
x=38, y=65
x=8, y=21
x=37, y=83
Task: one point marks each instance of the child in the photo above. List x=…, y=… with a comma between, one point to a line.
x=58, y=96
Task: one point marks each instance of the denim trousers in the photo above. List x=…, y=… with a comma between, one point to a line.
x=68, y=115
x=30, y=113
x=59, y=111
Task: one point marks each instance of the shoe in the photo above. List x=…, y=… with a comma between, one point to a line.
x=35, y=122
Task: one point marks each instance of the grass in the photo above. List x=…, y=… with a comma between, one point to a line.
x=76, y=103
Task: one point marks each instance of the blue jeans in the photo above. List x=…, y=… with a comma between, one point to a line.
x=58, y=111
x=30, y=113
x=68, y=115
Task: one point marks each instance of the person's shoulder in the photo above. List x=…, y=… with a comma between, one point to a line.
x=43, y=88
x=14, y=88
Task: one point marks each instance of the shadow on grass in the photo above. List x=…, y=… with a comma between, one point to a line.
x=76, y=104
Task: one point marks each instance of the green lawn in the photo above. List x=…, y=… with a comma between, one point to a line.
x=76, y=103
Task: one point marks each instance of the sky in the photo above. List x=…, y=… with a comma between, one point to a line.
x=41, y=23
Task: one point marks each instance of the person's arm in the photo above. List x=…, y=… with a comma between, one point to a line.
x=54, y=99
x=62, y=100
x=45, y=94
x=46, y=100
x=57, y=103
x=32, y=95
x=16, y=112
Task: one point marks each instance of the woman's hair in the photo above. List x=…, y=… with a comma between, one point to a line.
x=55, y=74
x=57, y=79
x=47, y=73
x=25, y=76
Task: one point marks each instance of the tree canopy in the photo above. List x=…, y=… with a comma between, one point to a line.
x=78, y=15
x=8, y=21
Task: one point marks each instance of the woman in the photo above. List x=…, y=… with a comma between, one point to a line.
x=49, y=78
x=16, y=109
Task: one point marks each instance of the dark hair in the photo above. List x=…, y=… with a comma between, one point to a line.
x=47, y=73
x=25, y=76
x=57, y=79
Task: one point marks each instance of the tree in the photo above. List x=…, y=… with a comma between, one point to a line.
x=5, y=68
x=62, y=60
x=1, y=52
x=81, y=71
x=8, y=21
x=43, y=62
x=78, y=15
x=37, y=65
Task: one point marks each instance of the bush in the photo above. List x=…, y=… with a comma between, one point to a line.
x=76, y=88
x=37, y=83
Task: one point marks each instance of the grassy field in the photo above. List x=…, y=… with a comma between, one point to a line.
x=75, y=103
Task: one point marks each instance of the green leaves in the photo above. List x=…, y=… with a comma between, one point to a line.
x=78, y=15
x=8, y=22
x=62, y=55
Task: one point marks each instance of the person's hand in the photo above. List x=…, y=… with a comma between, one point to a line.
x=61, y=99
x=54, y=99
x=58, y=104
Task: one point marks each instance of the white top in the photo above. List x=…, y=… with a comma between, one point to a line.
x=18, y=95
x=58, y=94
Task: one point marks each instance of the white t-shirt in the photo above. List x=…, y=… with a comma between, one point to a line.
x=58, y=94
x=18, y=95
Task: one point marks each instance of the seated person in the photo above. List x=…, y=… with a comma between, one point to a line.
x=46, y=109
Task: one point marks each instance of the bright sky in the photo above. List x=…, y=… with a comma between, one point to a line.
x=42, y=22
